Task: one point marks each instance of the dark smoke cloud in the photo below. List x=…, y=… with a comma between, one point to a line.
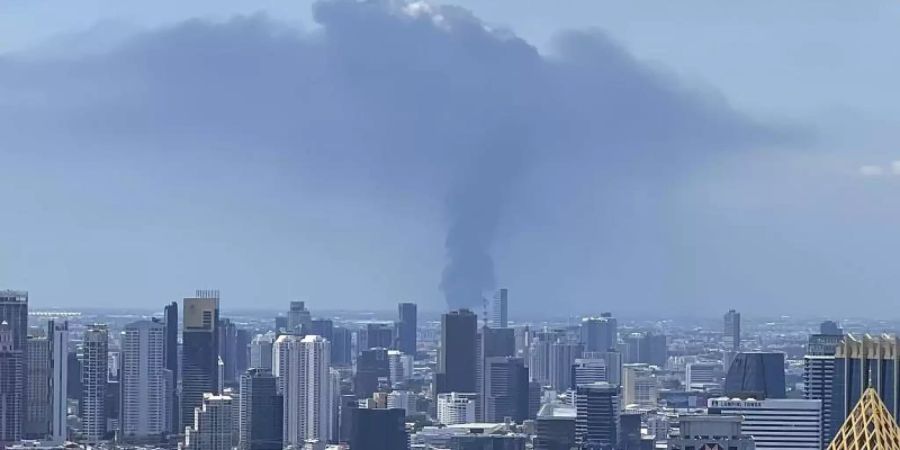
x=404, y=98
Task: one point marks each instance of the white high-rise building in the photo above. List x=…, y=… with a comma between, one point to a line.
x=213, y=424
x=400, y=366
x=402, y=400
x=94, y=368
x=280, y=355
x=59, y=380
x=500, y=309
x=455, y=408
x=143, y=379
x=698, y=374
x=639, y=386
x=261, y=351
x=307, y=384
x=784, y=424
x=589, y=370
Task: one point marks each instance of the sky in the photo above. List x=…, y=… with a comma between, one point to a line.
x=639, y=157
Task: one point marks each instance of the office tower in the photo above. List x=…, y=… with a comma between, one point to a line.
x=58, y=332
x=322, y=327
x=500, y=309
x=400, y=366
x=788, y=424
x=261, y=411
x=861, y=363
x=213, y=424
x=490, y=342
x=597, y=415
x=639, y=386
x=112, y=410
x=281, y=325
x=588, y=371
x=404, y=400
x=170, y=352
x=377, y=335
x=298, y=318
x=630, y=432
x=732, y=330
x=199, y=352
x=599, y=334
x=699, y=374
x=457, y=354
x=371, y=366
x=830, y=327
x=228, y=349
x=454, y=408
x=379, y=429
x=261, y=352
x=12, y=386
x=14, y=311
x=348, y=404
x=555, y=427
x=242, y=353
x=562, y=358
x=342, y=347
x=818, y=375
x=869, y=426
x=505, y=392
x=143, y=380
x=758, y=375
x=539, y=354
x=37, y=392
x=281, y=349
x=406, y=328
x=94, y=361
x=611, y=360
x=307, y=391
x=704, y=432
x=75, y=388
x=646, y=348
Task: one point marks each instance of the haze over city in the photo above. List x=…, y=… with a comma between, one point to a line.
x=646, y=156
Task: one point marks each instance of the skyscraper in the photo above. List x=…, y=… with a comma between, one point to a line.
x=454, y=408
x=759, y=375
x=862, y=363
x=379, y=429
x=59, y=379
x=599, y=334
x=261, y=411
x=298, y=318
x=307, y=391
x=562, y=357
x=597, y=415
x=505, y=392
x=143, y=380
x=818, y=375
x=95, y=348
x=555, y=427
x=406, y=328
x=373, y=364
x=199, y=356
x=793, y=424
x=457, y=355
x=830, y=327
x=646, y=348
x=37, y=393
x=228, y=351
x=732, y=330
x=213, y=424
x=869, y=426
x=377, y=335
x=639, y=386
x=170, y=320
x=12, y=386
x=500, y=309
x=14, y=311
x=261, y=352
x=342, y=347
x=322, y=327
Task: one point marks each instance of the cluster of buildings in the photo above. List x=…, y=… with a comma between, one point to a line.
x=189, y=378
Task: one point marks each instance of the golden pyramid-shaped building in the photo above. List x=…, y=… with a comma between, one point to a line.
x=868, y=427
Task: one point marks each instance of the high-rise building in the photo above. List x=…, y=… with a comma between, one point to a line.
x=213, y=424
x=228, y=351
x=322, y=327
x=830, y=327
x=597, y=415
x=143, y=380
x=199, y=354
x=505, y=392
x=281, y=325
x=406, y=328
x=307, y=391
x=404, y=400
x=14, y=311
x=599, y=334
x=732, y=330
x=58, y=333
x=170, y=351
x=379, y=429
x=818, y=375
x=377, y=335
x=869, y=426
x=261, y=352
x=342, y=347
x=12, y=386
x=372, y=366
x=702, y=373
x=562, y=357
x=261, y=411
x=646, y=348
x=298, y=318
x=454, y=408
x=639, y=386
x=862, y=363
x=400, y=366
x=500, y=309
x=94, y=367
x=759, y=375
x=555, y=427
x=588, y=371
x=490, y=343
x=37, y=393
x=458, y=352
x=709, y=432
x=787, y=424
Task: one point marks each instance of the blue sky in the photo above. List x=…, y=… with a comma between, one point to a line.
x=800, y=222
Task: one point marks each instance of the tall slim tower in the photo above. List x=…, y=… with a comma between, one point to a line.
x=200, y=355
x=170, y=314
x=143, y=379
x=37, y=393
x=597, y=415
x=599, y=334
x=14, y=311
x=733, y=330
x=261, y=411
x=213, y=424
x=406, y=328
x=458, y=353
x=94, y=367
x=298, y=318
x=307, y=391
x=500, y=309
x=59, y=379
x=12, y=379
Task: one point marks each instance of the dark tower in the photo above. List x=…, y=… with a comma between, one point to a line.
x=379, y=429
x=200, y=355
x=170, y=352
x=756, y=374
x=406, y=328
x=458, y=353
x=261, y=412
